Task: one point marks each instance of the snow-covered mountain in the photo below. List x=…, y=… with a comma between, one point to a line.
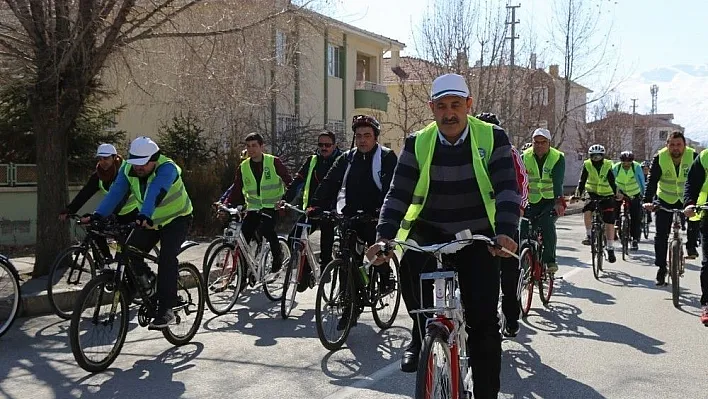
x=683, y=91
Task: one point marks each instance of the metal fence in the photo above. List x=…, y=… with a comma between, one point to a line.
x=24, y=174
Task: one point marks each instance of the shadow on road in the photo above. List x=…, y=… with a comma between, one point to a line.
x=563, y=288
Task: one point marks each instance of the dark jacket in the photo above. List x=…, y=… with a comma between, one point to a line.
x=321, y=168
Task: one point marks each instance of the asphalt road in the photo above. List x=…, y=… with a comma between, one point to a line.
x=619, y=337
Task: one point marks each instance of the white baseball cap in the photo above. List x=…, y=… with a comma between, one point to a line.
x=542, y=132
x=106, y=150
x=141, y=150
x=449, y=85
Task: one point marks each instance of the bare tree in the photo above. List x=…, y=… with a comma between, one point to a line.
x=64, y=45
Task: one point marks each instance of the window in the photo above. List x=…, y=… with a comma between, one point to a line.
x=539, y=96
x=663, y=134
x=334, y=67
x=280, y=47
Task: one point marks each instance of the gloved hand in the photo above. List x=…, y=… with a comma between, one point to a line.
x=143, y=221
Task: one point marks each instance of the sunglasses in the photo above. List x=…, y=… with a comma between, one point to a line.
x=324, y=145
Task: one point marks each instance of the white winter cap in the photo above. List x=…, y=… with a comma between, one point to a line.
x=542, y=132
x=449, y=85
x=141, y=150
x=106, y=150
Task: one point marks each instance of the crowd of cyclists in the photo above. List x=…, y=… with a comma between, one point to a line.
x=458, y=173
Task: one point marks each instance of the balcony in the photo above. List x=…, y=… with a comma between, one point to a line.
x=370, y=95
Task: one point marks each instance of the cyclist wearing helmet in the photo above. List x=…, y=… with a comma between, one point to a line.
x=598, y=180
x=357, y=182
x=510, y=270
x=630, y=182
x=667, y=179
x=165, y=216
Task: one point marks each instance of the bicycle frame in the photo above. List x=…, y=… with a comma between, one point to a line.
x=234, y=235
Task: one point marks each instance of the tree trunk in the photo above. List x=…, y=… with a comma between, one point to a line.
x=52, y=181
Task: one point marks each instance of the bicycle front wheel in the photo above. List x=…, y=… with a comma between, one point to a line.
x=334, y=305
x=526, y=294
x=71, y=271
x=215, y=243
x=545, y=286
x=645, y=224
x=434, y=378
x=596, y=250
x=274, y=290
x=189, y=308
x=290, y=282
x=386, y=296
x=625, y=237
x=10, y=295
x=675, y=265
x=101, y=312
x=223, y=276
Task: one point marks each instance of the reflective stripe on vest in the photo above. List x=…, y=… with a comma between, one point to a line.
x=176, y=202
x=597, y=183
x=540, y=182
x=271, y=185
x=625, y=179
x=308, y=180
x=670, y=187
x=482, y=142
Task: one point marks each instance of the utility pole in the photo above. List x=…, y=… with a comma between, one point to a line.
x=632, y=134
x=634, y=106
x=512, y=21
x=509, y=111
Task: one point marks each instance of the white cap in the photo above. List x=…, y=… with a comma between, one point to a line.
x=542, y=132
x=141, y=149
x=106, y=150
x=449, y=85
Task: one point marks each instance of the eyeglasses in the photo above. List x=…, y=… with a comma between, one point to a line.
x=325, y=145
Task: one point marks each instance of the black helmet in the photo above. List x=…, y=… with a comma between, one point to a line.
x=366, y=120
x=489, y=118
x=626, y=156
x=646, y=164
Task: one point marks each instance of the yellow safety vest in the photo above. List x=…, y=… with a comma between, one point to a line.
x=670, y=187
x=626, y=180
x=310, y=172
x=481, y=141
x=540, y=182
x=597, y=183
x=271, y=185
x=176, y=202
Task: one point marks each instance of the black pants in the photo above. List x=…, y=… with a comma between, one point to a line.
x=704, y=262
x=326, y=238
x=635, y=217
x=171, y=238
x=478, y=272
x=264, y=221
x=510, y=273
x=663, y=222
x=101, y=242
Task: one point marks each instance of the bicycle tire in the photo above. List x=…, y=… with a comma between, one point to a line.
x=336, y=266
x=380, y=322
x=625, y=237
x=192, y=306
x=208, y=253
x=674, y=264
x=546, y=292
x=103, y=282
x=64, y=310
x=527, y=266
x=594, y=251
x=6, y=321
x=233, y=281
x=287, y=302
x=645, y=224
x=271, y=290
x=435, y=337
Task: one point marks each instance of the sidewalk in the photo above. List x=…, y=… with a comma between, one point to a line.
x=34, y=291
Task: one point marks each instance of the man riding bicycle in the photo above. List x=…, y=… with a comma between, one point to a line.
x=696, y=193
x=107, y=168
x=308, y=178
x=357, y=182
x=455, y=174
x=511, y=308
x=546, y=168
x=597, y=179
x=165, y=214
x=667, y=178
x=630, y=182
x=260, y=183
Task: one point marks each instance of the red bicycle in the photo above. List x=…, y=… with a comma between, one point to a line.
x=533, y=270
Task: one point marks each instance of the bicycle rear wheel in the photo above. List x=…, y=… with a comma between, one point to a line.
x=189, y=308
x=72, y=270
x=526, y=294
x=223, y=276
x=10, y=295
x=334, y=305
x=675, y=265
x=386, y=298
x=98, y=308
x=435, y=375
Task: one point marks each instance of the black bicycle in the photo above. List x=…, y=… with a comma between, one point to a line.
x=624, y=230
x=103, y=305
x=347, y=286
x=10, y=294
x=73, y=268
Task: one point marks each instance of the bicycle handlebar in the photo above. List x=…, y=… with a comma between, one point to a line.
x=294, y=208
x=661, y=208
x=445, y=248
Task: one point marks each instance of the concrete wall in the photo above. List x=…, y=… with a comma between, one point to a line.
x=18, y=214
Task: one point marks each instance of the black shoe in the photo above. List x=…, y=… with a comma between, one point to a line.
x=661, y=277
x=342, y=324
x=611, y=256
x=163, y=320
x=511, y=329
x=691, y=253
x=409, y=360
x=304, y=283
x=635, y=245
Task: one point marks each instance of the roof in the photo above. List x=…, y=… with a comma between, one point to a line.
x=614, y=118
x=345, y=27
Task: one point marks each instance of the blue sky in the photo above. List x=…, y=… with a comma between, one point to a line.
x=647, y=34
